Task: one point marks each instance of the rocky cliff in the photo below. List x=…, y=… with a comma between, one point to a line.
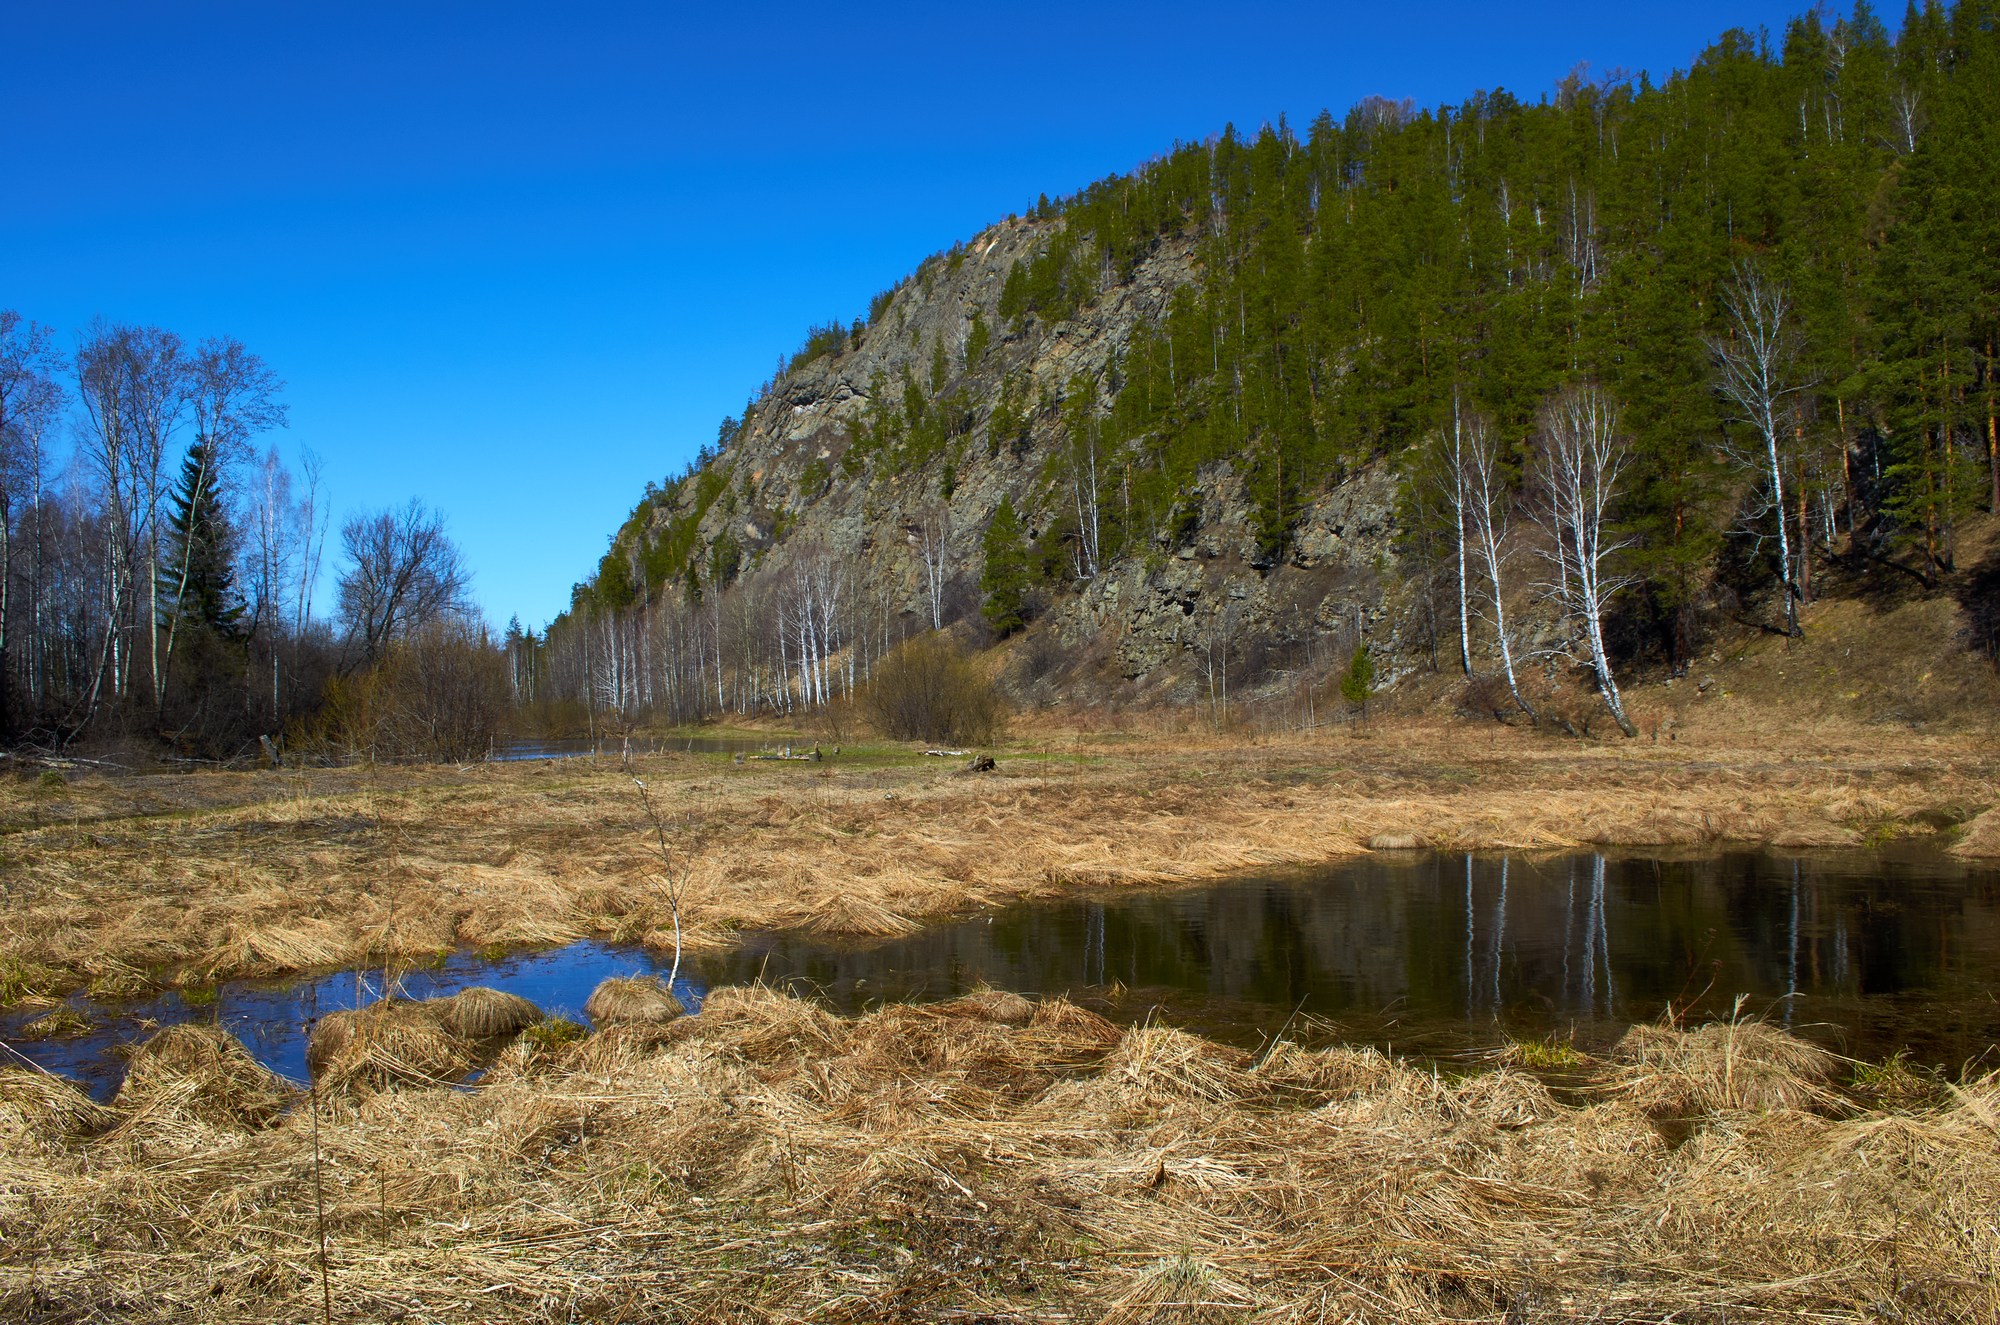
x=1176, y=613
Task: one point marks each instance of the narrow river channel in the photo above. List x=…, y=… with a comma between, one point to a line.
x=1869, y=953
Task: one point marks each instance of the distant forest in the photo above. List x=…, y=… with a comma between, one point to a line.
x=1773, y=280
x=158, y=569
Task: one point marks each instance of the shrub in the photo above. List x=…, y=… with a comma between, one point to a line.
x=439, y=695
x=927, y=690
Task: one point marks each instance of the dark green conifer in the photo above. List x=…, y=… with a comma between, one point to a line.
x=198, y=581
x=1005, y=578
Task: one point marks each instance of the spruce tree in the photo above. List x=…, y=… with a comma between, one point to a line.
x=198, y=581
x=1004, y=579
x=1359, y=681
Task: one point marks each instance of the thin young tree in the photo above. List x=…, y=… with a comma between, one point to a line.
x=1453, y=490
x=269, y=556
x=673, y=873
x=1488, y=508
x=1756, y=372
x=1579, y=459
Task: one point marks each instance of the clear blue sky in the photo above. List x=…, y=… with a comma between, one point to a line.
x=519, y=259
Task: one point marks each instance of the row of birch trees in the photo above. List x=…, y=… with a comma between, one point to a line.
x=802, y=635
x=1576, y=464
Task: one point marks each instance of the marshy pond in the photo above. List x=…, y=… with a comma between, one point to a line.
x=527, y=750
x=1869, y=953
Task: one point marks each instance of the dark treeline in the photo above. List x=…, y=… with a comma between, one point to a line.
x=158, y=570
x=1714, y=335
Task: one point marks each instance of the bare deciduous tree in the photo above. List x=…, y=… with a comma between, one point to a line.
x=233, y=397
x=1579, y=461
x=403, y=573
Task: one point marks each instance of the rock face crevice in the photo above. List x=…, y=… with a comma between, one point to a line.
x=803, y=478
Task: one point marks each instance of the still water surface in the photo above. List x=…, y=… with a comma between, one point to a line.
x=572, y=747
x=1868, y=953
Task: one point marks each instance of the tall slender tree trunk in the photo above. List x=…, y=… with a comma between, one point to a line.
x=6, y=580
x=1788, y=581
x=1805, y=547
x=1992, y=430
x=1458, y=538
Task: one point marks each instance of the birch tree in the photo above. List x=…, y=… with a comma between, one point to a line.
x=1487, y=506
x=1449, y=477
x=30, y=403
x=1579, y=459
x=103, y=382
x=160, y=387
x=933, y=534
x=1755, y=363
x=1083, y=441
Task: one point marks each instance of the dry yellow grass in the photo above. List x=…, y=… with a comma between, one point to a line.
x=639, y=998
x=234, y=874
x=391, y=1041
x=767, y=1161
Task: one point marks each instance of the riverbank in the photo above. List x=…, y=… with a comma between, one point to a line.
x=120, y=884
x=995, y=1160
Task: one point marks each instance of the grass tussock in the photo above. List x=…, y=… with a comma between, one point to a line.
x=767, y=1160
x=845, y=915
x=62, y=1024
x=480, y=1013
x=199, y=1074
x=644, y=999
x=1721, y=1067
x=391, y=1042
x=34, y=1104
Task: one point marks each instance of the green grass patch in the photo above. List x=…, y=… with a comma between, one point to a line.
x=1549, y=1054
x=21, y=978
x=553, y=1033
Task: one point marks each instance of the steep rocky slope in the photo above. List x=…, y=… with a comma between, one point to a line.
x=805, y=477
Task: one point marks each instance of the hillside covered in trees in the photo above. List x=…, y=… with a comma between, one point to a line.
x=1550, y=384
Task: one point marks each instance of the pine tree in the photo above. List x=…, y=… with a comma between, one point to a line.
x=1004, y=580
x=198, y=581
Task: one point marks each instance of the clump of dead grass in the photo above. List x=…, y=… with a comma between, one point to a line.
x=50, y=1107
x=62, y=1024
x=1980, y=837
x=480, y=1013
x=993, y=1005
x=849, y=915
x=393, y=1041
x=1722, y=1066
x=639, y=998
x=200, y=1073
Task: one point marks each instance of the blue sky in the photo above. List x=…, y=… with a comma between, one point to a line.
x=519, y=259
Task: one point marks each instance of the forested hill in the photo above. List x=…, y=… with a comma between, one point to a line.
x=1216, y=408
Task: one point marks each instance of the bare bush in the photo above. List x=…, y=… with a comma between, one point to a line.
x=439, y=694
x=927, y=690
